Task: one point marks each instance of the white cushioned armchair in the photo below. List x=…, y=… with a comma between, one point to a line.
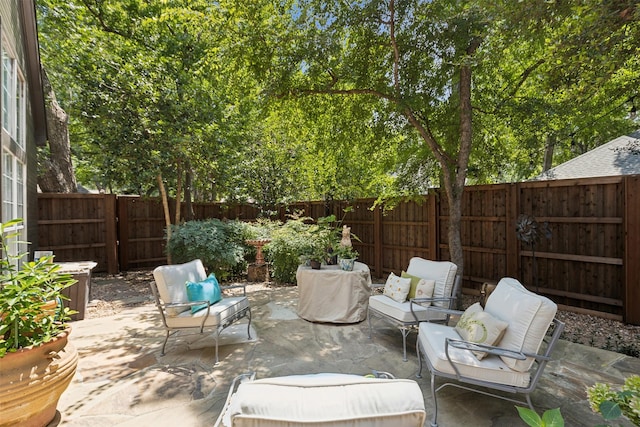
x=172, y=299
x=443, y=291
x=503, y=347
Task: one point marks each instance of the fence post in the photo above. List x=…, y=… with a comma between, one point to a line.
x=433, y=227
x=377, y=241
x=123, y=231
x=111, y=234
x=512, y=247
x=631, y=278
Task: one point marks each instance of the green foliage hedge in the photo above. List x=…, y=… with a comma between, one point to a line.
x=222, y=248
x=219, y=244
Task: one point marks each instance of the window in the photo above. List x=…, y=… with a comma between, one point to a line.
x=7, y=94
x=13, y=187
x=13, y=196
x=13, y=99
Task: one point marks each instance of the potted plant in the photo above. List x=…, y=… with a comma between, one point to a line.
x=317, y=256
x=37, y=362
x=347, y=256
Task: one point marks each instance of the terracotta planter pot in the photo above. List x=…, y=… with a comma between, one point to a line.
x=32, y=381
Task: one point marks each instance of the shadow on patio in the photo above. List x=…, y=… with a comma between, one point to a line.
x=122, y=379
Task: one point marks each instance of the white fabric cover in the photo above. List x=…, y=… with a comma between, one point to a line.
x=333, y=295
x=432, y=338
x=171, y=281
x=220, y=311
x=529, y=316
x=401, y=311
x=443, y=272
x=326, y=400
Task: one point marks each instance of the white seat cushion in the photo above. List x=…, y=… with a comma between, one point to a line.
x=401, y=311
x=327, y=400
x=220, y=311
x=529, y=316
x=432, y=338
x=443, y=272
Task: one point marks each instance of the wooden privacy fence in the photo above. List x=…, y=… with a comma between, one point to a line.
x=590, y=263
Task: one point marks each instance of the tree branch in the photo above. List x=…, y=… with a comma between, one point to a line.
x=394, y=45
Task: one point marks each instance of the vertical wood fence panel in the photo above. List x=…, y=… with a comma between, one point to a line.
x=590, y=264
x=632, y=250
x=141, y=226
x=79, y=227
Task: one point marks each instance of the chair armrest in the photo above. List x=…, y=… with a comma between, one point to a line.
x=184, y=304
x=445, y=311
x=249, y=376
x=498, y=351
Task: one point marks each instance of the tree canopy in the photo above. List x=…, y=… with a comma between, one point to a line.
x=274, y=101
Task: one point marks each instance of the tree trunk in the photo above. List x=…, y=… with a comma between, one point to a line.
x=55, y=171
x=178, y=193
x=188, y=196
x=549, y=146
x=167, y=215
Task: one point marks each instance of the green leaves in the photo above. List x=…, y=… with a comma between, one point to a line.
x=550, y=418
x=24, y=291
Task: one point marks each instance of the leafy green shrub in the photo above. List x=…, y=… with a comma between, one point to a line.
x=611, y=404
x=220, y=245
x=289, y=242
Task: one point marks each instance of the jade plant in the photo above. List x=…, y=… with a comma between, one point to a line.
x=26, y=288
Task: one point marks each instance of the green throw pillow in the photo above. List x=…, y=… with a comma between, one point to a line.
x=207, y=290
x=414, y=283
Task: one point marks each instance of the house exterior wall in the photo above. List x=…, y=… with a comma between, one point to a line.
x=19, y=36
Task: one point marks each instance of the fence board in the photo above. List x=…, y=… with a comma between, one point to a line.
x=78, y=227
x=590, y=263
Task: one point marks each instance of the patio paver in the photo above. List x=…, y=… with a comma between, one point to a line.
x=122, y=379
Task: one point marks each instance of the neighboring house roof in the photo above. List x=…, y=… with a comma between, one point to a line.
x=620, y=156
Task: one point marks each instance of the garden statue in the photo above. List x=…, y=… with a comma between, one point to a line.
x=346, y=236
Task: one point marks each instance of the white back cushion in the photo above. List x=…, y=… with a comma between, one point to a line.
x=171, y=281
x=529, y=316
x=442, y=272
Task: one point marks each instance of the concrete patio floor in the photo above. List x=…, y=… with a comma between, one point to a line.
x=123, y=381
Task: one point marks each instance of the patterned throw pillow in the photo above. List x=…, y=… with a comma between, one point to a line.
x=425, y=288
x=207, y=290
x=397, y=288
x=414, y=283
x=477, y=326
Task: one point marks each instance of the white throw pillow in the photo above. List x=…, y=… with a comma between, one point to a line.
x=397, y=288
x=425, y=288
x=477, y=326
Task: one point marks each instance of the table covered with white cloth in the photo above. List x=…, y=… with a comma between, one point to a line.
x=333, y=295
